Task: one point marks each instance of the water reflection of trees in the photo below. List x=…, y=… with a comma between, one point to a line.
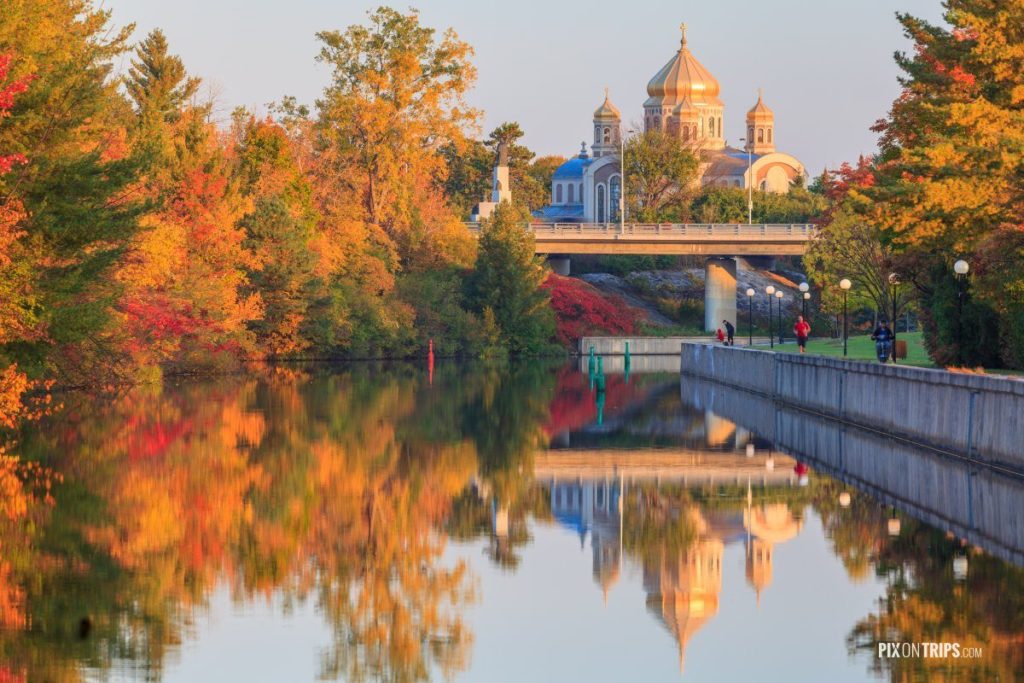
x=925, y=601
x=332, y=488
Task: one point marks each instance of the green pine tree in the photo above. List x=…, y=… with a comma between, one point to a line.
x=508, y=278
x=157, y=82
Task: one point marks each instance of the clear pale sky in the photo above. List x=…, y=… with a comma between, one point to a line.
x=826, y=65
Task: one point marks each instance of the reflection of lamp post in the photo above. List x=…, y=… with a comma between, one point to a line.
x=805, y=288
x=960, y=567
x=960, y=268
x=893, y=525
x=750, y=315
x=769, y=290
x=844, y=285
x=894, y=281
x=750, y=450
x=778, y=295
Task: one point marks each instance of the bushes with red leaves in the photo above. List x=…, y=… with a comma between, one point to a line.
x=581, y=310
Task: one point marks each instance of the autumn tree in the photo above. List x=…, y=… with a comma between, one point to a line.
x=187, y=303
x=849, y=246
x=662, y=174
x=75, y=191
x=508, y=280
x=949, y=174
x=395, y=99
x=279, y=231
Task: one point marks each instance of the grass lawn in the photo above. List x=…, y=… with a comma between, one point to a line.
x=861, y=347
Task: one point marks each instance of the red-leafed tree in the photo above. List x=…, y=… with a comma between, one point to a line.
x=14, y=280
x=581, y=310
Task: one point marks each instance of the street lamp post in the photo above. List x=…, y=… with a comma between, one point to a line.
x=805, y=288
x=750, y=316
x=960, y=268
x=894, y=281
x=750, y=183
x=845, y=285
x=769, y=290
x=622, y=182
x=778, y=295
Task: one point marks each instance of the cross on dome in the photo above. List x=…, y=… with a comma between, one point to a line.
x=682, y=29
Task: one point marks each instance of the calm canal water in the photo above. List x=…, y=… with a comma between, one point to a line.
x=372, y=523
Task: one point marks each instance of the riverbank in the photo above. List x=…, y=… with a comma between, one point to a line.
x=972, y=416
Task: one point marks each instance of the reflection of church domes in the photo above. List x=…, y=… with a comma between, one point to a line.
x=772, y=523
x=684, y=77
x=768, y=525
x=683, y=593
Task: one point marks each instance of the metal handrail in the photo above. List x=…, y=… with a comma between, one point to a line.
x=789, y=231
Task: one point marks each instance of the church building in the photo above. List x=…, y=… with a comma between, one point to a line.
x=683, y=100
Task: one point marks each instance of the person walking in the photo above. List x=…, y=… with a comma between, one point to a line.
x=730, y=333
x=802, y=330
x=883, y=341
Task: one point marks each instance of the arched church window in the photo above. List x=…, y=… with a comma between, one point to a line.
x=607, y=135
x=760, y=134
x=693, y=131
x=602, y=210
x=686, y=133
x=769, y=135
x=711, y=127
x=750, y=134
x=736, y=183
x=558, y=193
x=615, y=193
x=572, y=186
x=657, y=122
x=580, y=193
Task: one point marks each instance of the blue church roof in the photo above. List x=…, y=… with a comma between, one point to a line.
x=573, y=168
x=561, y=213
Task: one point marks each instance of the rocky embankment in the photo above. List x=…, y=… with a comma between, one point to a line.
x=648, y=291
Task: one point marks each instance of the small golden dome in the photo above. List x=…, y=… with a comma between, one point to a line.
x=607, y=110
x=684, y=77
x=760, y=110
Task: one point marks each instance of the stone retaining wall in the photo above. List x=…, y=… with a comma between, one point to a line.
x=646, y=346
x=977, y=416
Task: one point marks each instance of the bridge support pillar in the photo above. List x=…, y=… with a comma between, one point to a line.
x=559, y=264
x=719, y=292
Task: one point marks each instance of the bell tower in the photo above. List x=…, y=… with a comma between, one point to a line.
x=761, y=127
x=607, y=128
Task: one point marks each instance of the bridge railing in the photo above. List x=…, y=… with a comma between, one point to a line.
x=687, y=231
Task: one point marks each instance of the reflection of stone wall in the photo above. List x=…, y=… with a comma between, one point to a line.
x=974, y=502
x=973, y=415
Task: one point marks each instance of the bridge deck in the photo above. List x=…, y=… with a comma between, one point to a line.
x=710, y=239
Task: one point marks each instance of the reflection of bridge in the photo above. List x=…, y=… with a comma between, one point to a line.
x=691, y=466
x=720, y=242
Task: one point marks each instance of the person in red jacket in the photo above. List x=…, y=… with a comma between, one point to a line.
x=721, y=336
x=802, y=330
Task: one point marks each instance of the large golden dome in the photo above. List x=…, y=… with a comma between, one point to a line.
x=683, y=77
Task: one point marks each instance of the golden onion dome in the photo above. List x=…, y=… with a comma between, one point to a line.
x=607, y=110
x=684, y=77
x=760, y=110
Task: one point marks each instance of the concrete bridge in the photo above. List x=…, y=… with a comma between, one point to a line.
x=719, y=242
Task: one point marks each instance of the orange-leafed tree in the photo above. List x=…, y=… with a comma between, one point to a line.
x=184, y=306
